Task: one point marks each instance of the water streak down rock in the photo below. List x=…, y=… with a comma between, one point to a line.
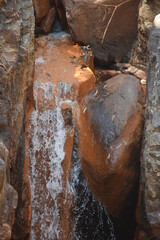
x=59, y=82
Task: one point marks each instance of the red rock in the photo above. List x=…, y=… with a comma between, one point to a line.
x=59, y=82
x=48, y=21
x=110, y=132
x=41, y=8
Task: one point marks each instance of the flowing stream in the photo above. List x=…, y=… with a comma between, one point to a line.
x=87, y=219
x=90, y=219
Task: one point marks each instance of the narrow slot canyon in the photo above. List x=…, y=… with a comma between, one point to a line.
x=79, y=124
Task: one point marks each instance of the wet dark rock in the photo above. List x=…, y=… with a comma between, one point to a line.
x=110, y=134
x=56, y=27
x=61, y=14
x=89, y=218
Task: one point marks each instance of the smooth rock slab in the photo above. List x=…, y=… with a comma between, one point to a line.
x=109, y=26
x=110, y=134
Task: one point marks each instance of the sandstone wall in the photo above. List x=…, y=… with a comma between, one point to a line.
x=16, y=71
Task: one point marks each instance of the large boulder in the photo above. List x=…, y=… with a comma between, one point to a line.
x=147, y=12
x=110, y=127
x=148, y=214
x=109, y=26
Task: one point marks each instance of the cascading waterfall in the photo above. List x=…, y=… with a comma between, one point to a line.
x=90, y=219
x=46, y=154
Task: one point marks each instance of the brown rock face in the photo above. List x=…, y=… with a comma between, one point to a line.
x=110, y=132
x=16, y=71
x=48, y=21
x=41, y=8
x=110, y=27
x=45, y=14
x=147, y=12
x=59, y=82
x=148, y=214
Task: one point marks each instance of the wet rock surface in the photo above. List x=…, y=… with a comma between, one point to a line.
x=110, y=134
x=149, y=203
x=109, y=27
x=60, y=81
x=89, y=218
x=72, y=153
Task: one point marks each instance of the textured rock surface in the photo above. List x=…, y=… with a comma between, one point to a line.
x=61, y=13
x=147, y=12
x=16, y=70
x=41, y=8
x=59, y=82
x=46, y=24
x=109, y=26
x=45, y=13
x=149, y=212
x=110, y=132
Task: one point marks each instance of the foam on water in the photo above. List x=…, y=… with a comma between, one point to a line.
x=46, y=156
x=89, y=219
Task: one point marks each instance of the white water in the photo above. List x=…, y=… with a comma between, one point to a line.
x=46, y=155
x=89, y=220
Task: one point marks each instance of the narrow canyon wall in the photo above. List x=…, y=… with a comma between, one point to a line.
x=148, y=214
x=68, y=151
x=147, y=11
x=16, y=70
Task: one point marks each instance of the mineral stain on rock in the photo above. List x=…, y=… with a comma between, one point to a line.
x=71, y=135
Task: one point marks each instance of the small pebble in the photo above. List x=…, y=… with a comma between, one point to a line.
x=143, y=81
